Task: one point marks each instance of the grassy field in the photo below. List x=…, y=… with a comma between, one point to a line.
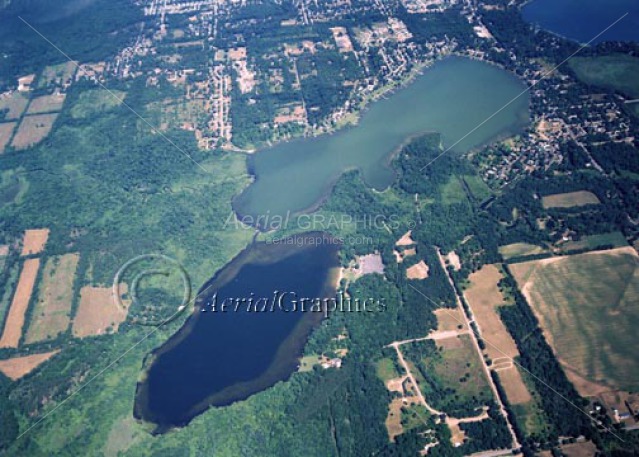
x=14, y=105
x=612, y=239
x=18, y=367
x=96, y=101
x=15, y=319
x=451, y=376
x=58, y=75
x=570, y=199
x=586, y=305
x=520, y=250
x=386, y=369
x=484, y=297
x=52, y=312
x=32, y=130
x=616, y=72
x=6, y=130
x=46, y=104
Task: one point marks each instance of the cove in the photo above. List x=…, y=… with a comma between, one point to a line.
x=452, y=97
x=582, y=20
x=218, y=358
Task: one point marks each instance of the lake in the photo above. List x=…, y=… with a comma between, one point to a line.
x=452, y=97
x=582, y=20
x=220, y=357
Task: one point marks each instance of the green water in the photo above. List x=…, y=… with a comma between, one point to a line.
x=453, y=97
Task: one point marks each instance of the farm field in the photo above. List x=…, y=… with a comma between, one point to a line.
x=58, y=75
x=510, y=251
x=586, y=305
x=18, y=367
x=450, y=319
x=34, y=241
x=570, y=199
x=451, y=377
x=484, y=297
x=97, y=312
x=12, y=331
x=612, y=239
x=46, y=104
x=6, y=129
x=32, y=130
x=52, y=312
x=617, y=72
x=14, y=104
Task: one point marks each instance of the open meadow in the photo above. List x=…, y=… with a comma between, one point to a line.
x=6, y=130
x=570, y=199
x=586, y=305
x=52, y=311
x=617, y=72
x=32, y=130
x=484, y=297
x=15, y=319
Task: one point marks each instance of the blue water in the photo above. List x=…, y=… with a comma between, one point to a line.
x=582, y=20
x=218, y=358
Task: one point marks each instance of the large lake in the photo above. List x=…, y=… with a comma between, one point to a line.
x=582, y=20
x=452, y=97
x=219, y=357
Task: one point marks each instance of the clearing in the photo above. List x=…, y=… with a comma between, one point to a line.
x=570, y=199
x=60, y=75
x=586, y=305
x=34, y=241
x=96, y=101
x=46, y=104
x=52, y=312
x=520, y=250
x=18, y=367
x=6, y=130
x=15, y=318
x=617, y=72
x=484, y=297
x=417, y=271
x=32, y=130
x=449, y=375
x=14, y=104
x=98, y=313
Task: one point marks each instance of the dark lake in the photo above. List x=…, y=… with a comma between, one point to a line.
x=582, y=20
x=218, y=357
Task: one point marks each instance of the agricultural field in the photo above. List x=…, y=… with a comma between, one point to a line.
x=6, y=130
x=12, y=105
x=450, y=319
x=34, y=241
x=57, y=75
x=590, y=242
x=32, y=130
x=52, y=312
x=98, y=313
x=484, y=298
x=96, y=101
x=511, y=251
x=586, y=306
x=570, y=200
x=14, y=322
x=46, y=104
x=617, y=72
x=18, y=367
x=450, y=376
